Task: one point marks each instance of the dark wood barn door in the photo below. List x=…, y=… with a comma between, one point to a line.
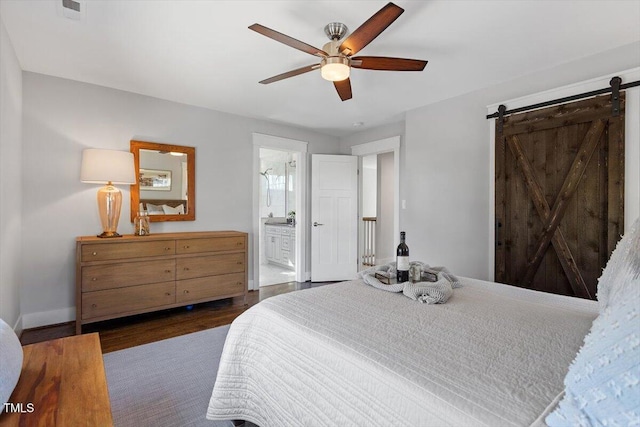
x=559, y=196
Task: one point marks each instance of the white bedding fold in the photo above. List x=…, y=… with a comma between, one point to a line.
x=348, y=354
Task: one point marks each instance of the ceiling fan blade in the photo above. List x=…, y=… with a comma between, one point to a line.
x=289, y=41
x=290, y=74
x=344, y=89
x=371, y=29
x=385, y=63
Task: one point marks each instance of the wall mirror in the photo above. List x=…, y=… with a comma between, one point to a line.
x=166, y=184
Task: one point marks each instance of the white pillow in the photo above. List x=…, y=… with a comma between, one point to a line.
x=154, y=209
x=602, y=387
x=10, y=362
x=168, y=210
x=622, y=268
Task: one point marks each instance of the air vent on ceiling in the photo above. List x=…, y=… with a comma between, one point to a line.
x=72, y=9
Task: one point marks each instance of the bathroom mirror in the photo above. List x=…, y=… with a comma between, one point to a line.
x=166, y=184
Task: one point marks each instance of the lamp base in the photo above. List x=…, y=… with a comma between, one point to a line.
x=109, y=203
x=108, y=234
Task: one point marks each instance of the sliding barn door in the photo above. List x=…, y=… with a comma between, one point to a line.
x=559, y=196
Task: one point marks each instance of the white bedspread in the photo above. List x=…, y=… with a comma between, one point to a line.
x=349, y=354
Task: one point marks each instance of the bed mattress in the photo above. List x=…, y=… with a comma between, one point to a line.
x=350, y=354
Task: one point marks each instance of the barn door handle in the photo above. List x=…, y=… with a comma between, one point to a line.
x=497, y=230
x=315, y=224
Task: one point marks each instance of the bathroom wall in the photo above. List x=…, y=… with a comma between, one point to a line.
x=273, y=201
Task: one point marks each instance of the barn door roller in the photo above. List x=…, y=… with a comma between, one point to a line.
x=615, y=96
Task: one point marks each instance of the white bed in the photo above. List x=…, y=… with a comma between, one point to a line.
x=350, y=354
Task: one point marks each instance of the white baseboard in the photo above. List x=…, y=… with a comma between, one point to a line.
x=44, y=318
x=17, y=327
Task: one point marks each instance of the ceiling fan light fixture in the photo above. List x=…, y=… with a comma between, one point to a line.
x=335, y=68
x=337, y=55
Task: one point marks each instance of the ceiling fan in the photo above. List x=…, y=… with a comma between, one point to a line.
x=337, y=56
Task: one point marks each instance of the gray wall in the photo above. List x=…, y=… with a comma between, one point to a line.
x=385, y=249
x=370, y=135
x=10, y=181
x=62, y=117
x=444, y=163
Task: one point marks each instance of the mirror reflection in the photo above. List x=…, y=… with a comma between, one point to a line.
x=165, y=184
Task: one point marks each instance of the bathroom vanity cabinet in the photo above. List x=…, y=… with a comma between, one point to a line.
x=280, y=245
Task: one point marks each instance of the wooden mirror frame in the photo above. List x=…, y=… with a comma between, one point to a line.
x=190, y=214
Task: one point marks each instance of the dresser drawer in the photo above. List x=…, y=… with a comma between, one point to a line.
x=188, y=268
x=212, y=244
x=102, y=252
x=115, y=301
x=108, y=276
x=210, y=287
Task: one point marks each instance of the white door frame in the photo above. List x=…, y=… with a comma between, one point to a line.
x=381, y=146
x=300, y=148
x=631, y=149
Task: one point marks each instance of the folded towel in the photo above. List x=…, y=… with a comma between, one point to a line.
x=429, y=292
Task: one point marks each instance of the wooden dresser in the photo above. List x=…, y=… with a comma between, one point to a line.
x=129, y=275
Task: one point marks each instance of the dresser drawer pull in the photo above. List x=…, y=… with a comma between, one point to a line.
x=186, y=291
x=94, y=253
x=186, y=269
x=167, y=249
x=167, y=271
x=239, y=262
x=239, y=244
x=93, y=279
x=168, y=294
x=186, y=246
x=94, y=305
x=239, y=283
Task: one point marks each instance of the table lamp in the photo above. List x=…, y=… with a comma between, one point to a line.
x=108, y=167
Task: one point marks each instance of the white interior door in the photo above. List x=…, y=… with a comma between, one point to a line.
x=334, y=217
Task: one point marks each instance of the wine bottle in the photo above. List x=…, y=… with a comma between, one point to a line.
x=402, y=260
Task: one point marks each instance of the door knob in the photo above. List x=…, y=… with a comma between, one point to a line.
x=315, y=224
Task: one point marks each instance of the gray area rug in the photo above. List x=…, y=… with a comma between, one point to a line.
x=166, y=383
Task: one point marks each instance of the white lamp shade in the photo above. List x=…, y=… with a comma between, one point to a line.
x=102, y=166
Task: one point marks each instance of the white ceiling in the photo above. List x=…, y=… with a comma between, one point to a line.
x=201, y=52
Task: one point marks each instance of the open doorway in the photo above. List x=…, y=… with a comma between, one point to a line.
x=379, y=228
x=377, y=219
x=279, y=217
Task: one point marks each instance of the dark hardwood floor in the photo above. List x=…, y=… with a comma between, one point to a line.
x=131, y=331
